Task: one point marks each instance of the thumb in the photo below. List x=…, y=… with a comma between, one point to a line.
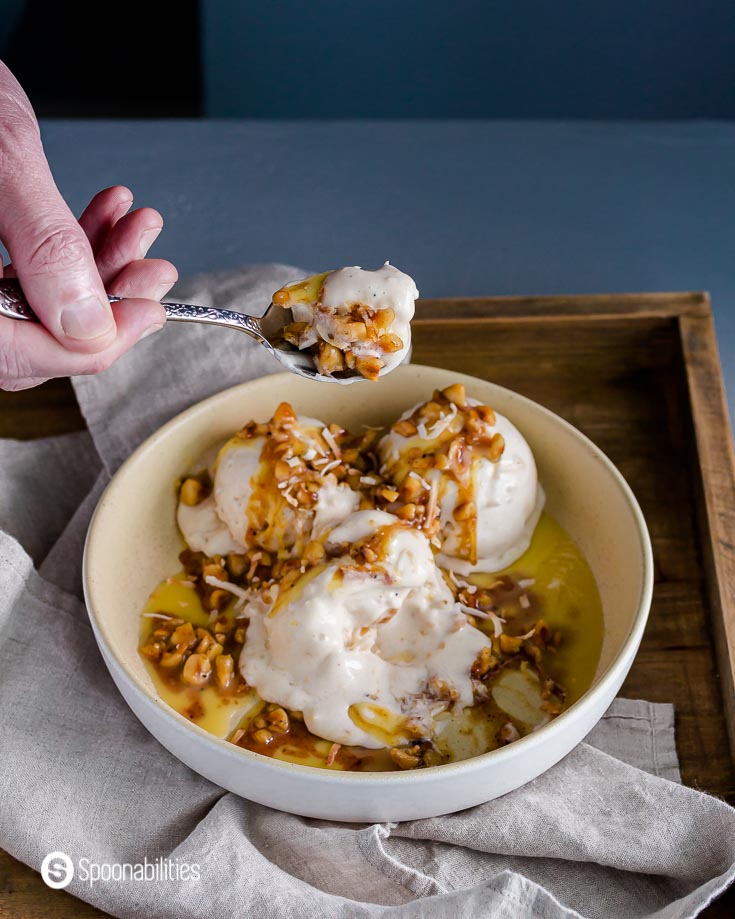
x=53, y=259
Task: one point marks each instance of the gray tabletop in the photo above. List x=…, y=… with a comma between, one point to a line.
x=467, y=208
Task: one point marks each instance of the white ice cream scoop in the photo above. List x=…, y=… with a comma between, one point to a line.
x=506, y=494
x=219, y=524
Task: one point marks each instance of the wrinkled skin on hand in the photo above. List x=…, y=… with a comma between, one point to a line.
x=67, y=267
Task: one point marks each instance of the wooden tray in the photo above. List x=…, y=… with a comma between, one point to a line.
x=640, y=375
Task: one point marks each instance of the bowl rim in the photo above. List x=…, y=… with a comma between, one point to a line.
x=239, y=755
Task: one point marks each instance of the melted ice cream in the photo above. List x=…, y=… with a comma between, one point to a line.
x=355, y=646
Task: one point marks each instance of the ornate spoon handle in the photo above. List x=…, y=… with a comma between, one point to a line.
x=13, y=302
x=14, y=305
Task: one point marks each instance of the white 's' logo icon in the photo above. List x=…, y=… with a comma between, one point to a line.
x=57, y=870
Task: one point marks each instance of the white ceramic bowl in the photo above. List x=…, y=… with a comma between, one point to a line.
x=133, y=543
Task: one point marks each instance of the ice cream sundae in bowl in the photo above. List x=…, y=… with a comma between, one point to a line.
x=375, y=606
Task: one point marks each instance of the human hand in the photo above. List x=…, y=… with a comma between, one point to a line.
x=67, y=267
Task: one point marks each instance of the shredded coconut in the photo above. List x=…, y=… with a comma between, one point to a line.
x=226, y=585
x=443, y=422
x=328, y=468
x=333, y=445
x=432, y=502
x=420, y=479
x=289, y=497
x=461, y=585
x=497, y=621
x=254, y=564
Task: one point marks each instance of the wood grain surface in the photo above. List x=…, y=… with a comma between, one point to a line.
x=638, y=374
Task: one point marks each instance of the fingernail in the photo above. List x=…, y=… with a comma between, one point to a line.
x=86, y=319
x=151, y=330
x=122, y=207
x=163, y=288
x=147, y=238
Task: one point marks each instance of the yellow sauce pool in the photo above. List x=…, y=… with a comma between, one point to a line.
x=569, y=600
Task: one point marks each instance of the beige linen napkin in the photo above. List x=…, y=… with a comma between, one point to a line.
x=608, y=832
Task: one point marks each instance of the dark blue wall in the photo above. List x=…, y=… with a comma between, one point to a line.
x=10, y=11
x=470, y=59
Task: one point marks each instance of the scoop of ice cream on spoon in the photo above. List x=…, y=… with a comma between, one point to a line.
x=351, y=320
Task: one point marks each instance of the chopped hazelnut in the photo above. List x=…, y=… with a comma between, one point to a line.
x=406, y=757
x=277, y=721
x=497, y=446
x=237, y=564
x=456, y=393
x=197, y=670
x=388, y=494
x=330, y=359
x=369, y=367
x=383, y=319
x=294, y=332
x=404, y=428
x=262, y=736
x=314, y=552
x=191, y=493
x=411, y=488
x=407, y=512
x=509, y=644
x=224, y=667
x=390, y=343
x=356, y=331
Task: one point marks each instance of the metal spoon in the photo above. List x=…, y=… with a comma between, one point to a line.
x=266, y=330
